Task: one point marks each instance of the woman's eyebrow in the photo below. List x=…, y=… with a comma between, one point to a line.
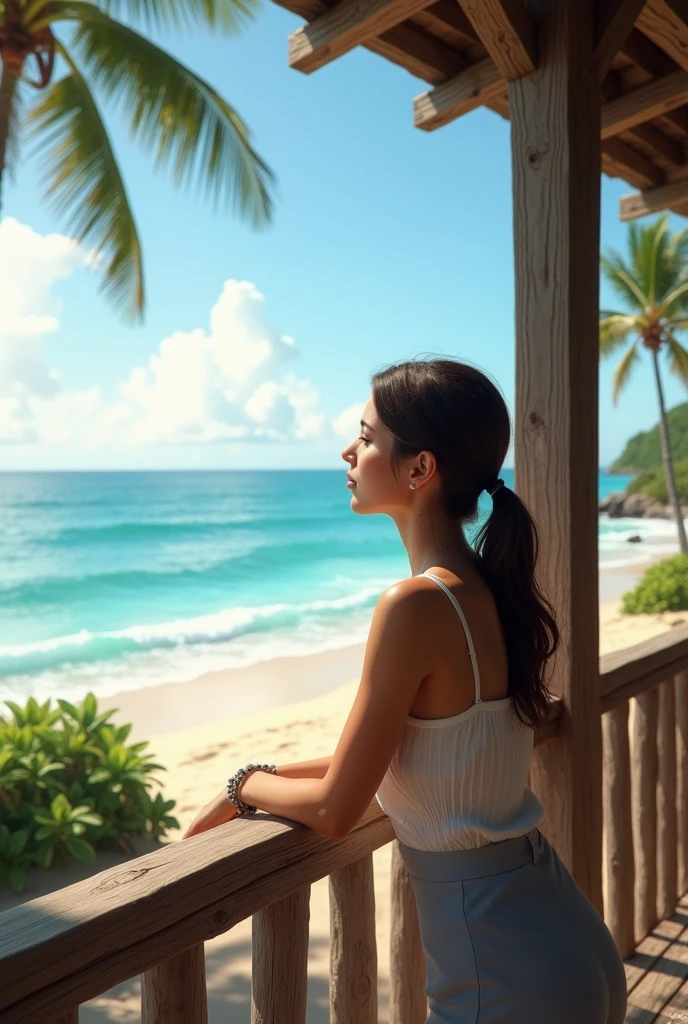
x=366, y=425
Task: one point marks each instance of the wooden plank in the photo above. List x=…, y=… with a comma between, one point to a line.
x=631, y=670
x=615, y=171
x=667, y=867
x=451, y=14
x=419, y=53
x=643, y=745
x=71, y=945
x=617, y=846
x=650, y=950
x=614, y=21
x=555, y=140
x=648, y=999
x=647, y=55
x=659, y=144
x=344, y=26
x=506, y=31
x=469, y=89
x=639, y=204
x=635, y=167
x=173, y=992
x=664, y=22
x=353, y=952
x=681, y=701
x=644, y=103
x=72, y=1017
x=279, y=971
x=407, y=1001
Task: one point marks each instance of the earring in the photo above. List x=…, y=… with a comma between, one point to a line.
x=412, y=485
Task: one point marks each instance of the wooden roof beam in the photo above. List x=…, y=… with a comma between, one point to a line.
x=474, y=87
x=643, y=104
x=631, y=164
x=652, y=200
x=507, y=33
x=614, y=21
x=348, y=24
x=665, y=22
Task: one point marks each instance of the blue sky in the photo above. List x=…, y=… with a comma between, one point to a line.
x=386, y=243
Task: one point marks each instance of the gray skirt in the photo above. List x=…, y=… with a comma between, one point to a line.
x=509, y=938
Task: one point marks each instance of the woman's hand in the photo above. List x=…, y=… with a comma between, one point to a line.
x=217, y=812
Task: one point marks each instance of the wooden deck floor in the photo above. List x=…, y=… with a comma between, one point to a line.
x=657, y=973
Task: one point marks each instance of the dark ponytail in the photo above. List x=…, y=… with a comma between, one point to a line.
x=507, y=544
x=456, y=412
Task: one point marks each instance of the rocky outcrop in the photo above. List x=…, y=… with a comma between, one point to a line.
x=621, y=505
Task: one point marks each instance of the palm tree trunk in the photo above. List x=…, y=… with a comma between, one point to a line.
x=9, y=77
x=665, y=443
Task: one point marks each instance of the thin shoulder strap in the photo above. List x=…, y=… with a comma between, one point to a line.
x=469, y=638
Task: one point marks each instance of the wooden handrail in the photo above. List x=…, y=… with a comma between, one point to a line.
x=61, y=949
x=68, y=946
x=628, y=672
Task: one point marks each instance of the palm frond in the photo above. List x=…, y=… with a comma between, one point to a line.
x=186, y=125
x=224, y=16
x=614, y=331
x=623, y=371
x=83, y=182
x=622, y=280
x=678, y=357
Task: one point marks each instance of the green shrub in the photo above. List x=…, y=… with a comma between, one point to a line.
x=70, y=784
x=663, y=588
x=652, y=483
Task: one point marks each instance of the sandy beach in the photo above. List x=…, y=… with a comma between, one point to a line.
x=194, y=734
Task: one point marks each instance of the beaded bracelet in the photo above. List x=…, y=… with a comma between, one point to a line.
x=233, y=783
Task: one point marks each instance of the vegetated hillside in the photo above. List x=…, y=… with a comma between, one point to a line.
x=652, y=484
x=643, y=450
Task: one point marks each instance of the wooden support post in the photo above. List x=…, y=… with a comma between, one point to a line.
x=667, y=881
x=279, y=976
x=353, y=949
x=555, y=138
x=643, y=743
x=681, y=705
x=407, y=1001
x=67, y=1018
x=173, y=992
x=617, y=852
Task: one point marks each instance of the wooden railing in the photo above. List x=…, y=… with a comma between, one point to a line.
x=152, y=916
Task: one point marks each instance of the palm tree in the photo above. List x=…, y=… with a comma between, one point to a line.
x=179, y=118
x=653, y=285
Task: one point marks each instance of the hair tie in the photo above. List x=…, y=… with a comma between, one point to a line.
x=494, y=488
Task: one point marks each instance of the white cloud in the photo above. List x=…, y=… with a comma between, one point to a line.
x=229, y=382
x=347, y=425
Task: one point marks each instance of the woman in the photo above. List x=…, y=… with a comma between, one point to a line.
x=441, y=730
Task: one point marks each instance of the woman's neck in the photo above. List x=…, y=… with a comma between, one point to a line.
x=433, y=541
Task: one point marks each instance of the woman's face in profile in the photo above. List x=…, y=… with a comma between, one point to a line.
x=374, y=487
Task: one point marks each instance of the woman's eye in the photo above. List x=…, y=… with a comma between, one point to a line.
x=365, y=440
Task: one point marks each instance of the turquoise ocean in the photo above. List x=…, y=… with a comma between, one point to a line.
x=115, y=581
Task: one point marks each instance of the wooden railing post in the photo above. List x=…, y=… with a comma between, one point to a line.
x=279, y=980
x=407, y=1000
x=617, y=835
x=353, y=948
x=173, y=992
x=667, y=884
x=643, y=741
x=681, y=709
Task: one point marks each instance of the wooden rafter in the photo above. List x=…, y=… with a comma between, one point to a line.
x=652, y=200
x=615, y=19
x=348, y=24
x=665, y=22
x=471, y=88
x=644, y=103
x=506, y=31
x=631, y=164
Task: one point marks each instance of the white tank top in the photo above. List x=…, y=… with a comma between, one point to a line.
x=460, y=782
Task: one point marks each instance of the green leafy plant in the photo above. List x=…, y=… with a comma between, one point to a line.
x=70, y=785
x=663, y=588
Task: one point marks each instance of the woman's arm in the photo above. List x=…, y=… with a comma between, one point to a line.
x=316, y=769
